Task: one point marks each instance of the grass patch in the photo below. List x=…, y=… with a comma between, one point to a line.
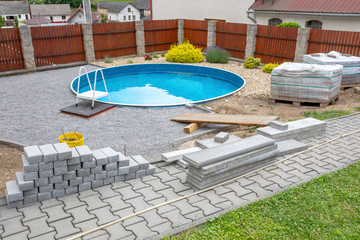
x=108, y=60
x=325, y=208
x=326, y=114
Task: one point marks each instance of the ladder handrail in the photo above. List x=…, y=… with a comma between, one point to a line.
x=87, y=75
x=103, y=78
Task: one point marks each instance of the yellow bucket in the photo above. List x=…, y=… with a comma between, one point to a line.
x=72, y=139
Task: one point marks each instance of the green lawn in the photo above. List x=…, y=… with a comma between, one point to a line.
x=326, y=114
x=325, y=208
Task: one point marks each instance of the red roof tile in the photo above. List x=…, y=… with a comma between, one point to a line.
x=323, y=6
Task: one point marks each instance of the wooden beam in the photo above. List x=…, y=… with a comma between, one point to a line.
x=192, y=127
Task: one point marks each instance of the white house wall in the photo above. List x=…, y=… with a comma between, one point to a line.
x=229, y=10
x=329, y=22
x=21, y=17
x=119, y=17
x=79, y=17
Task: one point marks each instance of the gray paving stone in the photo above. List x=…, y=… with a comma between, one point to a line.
x=94, y=202
x=112, y=173
x=31, y=176
x=80, y=214
x=69, y=176
x=84, y=153
x=149, y=194
x=61, y=170
x=173, y=169
x=130, y=176
x=27, y=167
x=120, y=178
x=75, y=157
x=178, y=186
x=274, y=187
x=101, y=176
x=15, y=204
x=138, y=203
x=18, y=236
x=184, y=207
x=252, y=197
x=30, y=200
x=123, y=170
x=106, y=192
x=76, y=181
x=13, y=192
x=206, y=207
x=132, y=221
x=33, y=154
x=175, y=218
x=100, y=158
x=44, y=196
x=141, y=230
x=64, y=228
x=45, y=189
x=282, y=174
x=169, y=194
x=49, y=152
x=166, y=208
x=177, y=155
x=111, y=154
x=38, y=227
x=46, y=236
x=71, y=190
x=85, y=186
x=118, y=185
x=153, y=218
x=213, y=197
x=141, y=161
x=164, y=177
x=97, y=183
x=299, y=174
x=255, y=187
x=259, y=179
x=140, y=173
x=22, y=184
x=126, y=212
x=31, y=192
x=195, y=199
x=71, y=202
x=60, y=163
x=55, y=179
x=238, y=189
x=83, y=172
x=111, y=166
x=116, y=203
x=50, y=203
x=138, y=184
x=62, y=185
x=63, y=151
x=194, y=216
x=46, y=173
x=157, y=201
x=117, y=231
x=244, y=181
x=279, y=181
x=133, y=165
x=87, y=193
x=46, y=166
x=12, y=226
x=127, y=193
x=56, y=213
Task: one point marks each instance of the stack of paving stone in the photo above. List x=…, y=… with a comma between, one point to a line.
x=217, y=164
x=55, y=170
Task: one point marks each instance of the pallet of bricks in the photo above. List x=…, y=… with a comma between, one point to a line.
x=55, y=170
x=351, y=64
x=300, y=83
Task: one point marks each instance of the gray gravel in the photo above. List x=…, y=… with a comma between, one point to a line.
x=30, y=114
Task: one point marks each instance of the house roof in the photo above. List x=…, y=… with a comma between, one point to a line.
x=50, y=9
x=18, y=7
x=142, y=4
x=321, y=6
x=94, y=15
x=114, y=7
x=38, y=20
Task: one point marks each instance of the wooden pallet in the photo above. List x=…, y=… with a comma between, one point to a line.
x=247, y=120
x=303, y=103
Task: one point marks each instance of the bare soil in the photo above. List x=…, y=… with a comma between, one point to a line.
x=10, y=162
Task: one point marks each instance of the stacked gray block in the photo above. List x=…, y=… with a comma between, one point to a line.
x=55, y=170
x=214, y=165
x=298, y=130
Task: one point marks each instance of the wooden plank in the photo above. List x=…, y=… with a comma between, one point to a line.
x=192, y=127
x=247, y=120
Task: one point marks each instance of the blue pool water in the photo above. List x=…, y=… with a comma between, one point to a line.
x=152, y=85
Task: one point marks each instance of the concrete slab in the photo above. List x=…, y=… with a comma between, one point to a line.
x=177, y=155
x=210, y=143
x=290, y=146
x=221, y=137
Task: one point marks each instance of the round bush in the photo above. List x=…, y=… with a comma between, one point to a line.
x=269, y=67
x=252, y=62
x=184, y=53
x=216, y=55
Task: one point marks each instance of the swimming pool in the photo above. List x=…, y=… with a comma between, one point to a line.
x=162, y=85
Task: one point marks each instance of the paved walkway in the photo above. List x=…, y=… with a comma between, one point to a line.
x=68, y=216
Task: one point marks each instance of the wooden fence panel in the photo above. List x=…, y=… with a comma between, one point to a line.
x=275, y=44
x=58, y=44
x=324, y=41
x=11, y=57
x=196, y=32
x=232, y=37
x=160, y=34
x=114, y=39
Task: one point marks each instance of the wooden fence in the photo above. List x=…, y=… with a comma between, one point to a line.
x=275, y=44
x=232, y=37
x=114, y=39
x=160, y=34
x=57, y=44
x=196, y=32
x=323, y=41
x=11, y=57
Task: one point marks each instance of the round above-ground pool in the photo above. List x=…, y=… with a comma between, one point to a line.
x=161, y=85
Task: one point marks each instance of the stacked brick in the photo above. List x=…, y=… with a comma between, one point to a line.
x=55, y=170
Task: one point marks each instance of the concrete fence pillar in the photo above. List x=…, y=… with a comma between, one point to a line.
x=250, y=40
x=180, y=31
x=211, y=35
x=301, y=44
x=140, y=38
x=27, y=48
x=88, y=42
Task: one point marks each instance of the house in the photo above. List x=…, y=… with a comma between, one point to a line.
x=119, y=11
x=143, y=6
x=225, y=10
x=79, y=16
x=37, y=21
x=57, y=13
x=19, y=9
x=341, y=15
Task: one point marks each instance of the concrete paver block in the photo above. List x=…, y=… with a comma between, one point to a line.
x=133, y=165
x=30, y=200
x=140, y=173
x=76, y=181
x=90, y=164
x=63, y=151
x=177, y=155
x=13, y=193
x=80, y=214
x=221, y=137
x=49, y=152
x=64, y=228
x=112, y=173
x=31, y=192
x=61, y=185
x=22, y=184
x=210, y=143
x=31, y=213
x=69, y=176
x=143, y=163
x=101, y=176
x=46, y=173
x=120, y=178
x=141, y=230
x=12, y=227
x=100, y=158
x=85, y=186
x=58, y=193
x=31, y=176
x=279, y=125
x=75, y=157
x=60, y=170
x=89, y=178
x=97, y=169
x=123, y=160
x=47, y=188
x=33, y=154
x=74, y=167
x=97, y=183
x=71, y=190
x=104, y=215
x=60, y=163
x=46, y=166
x=44, y=196
x=27, y=167
x=85, y=153
x=55, y=179
x=111, y=166
x=109, y=180
x=111, y=154
x=83, y=172
x=123, y=170
x=150, y=171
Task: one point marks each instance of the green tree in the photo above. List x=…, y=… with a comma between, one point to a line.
x=73, y=3
x=16, y=22
x=2, y=21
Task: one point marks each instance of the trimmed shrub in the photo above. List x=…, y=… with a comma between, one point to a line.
x=252, y=62
x=108, y=60
x=155, y=56
x=216, y=55
x=269, y=67
x=289, y=24
x=184, y=53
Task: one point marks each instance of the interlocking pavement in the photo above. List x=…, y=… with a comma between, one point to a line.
x=68, y=216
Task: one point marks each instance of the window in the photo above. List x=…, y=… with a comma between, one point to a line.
x=63, y=17
x=27, y=17
x=129, y=18
x=274, y=21
x=314, y=24
x=109, y=17
x=134, y=17
x=51, y=18
x=124, y=18
x=129, y=9
x=19, y=16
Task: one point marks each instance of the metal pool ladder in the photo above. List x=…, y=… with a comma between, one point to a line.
x=92, y=94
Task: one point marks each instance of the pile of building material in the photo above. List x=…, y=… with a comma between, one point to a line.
x=300, y=82
x=351, y=64
x=214, y=165
x=55, y=170
x=300, y=129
